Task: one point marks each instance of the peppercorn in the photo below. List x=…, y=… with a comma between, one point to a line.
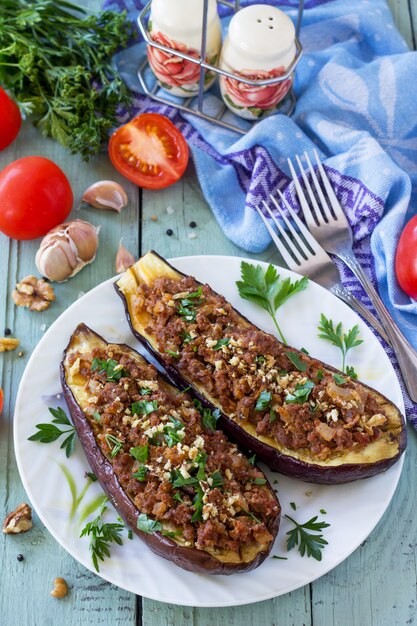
x=192, y=224
x=170, y=232
x=7, y=332
x=20, y=557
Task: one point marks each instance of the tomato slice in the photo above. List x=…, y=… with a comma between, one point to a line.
x=150, y=151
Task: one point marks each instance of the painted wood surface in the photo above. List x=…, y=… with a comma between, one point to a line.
x=375, y=586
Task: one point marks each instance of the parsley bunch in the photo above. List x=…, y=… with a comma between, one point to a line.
x=267, y=289
x=55, y=58
x=343, y=341
x=101, y=535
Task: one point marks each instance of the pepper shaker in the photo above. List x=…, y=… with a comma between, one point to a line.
x=177, y=24
x=260, y=45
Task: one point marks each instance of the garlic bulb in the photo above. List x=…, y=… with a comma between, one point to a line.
x=66, y=249
x=106, y=194
x=123, y=259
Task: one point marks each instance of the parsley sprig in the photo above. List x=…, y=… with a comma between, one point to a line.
x=102, y=534
x=209, y=418
x=187, y=305
x=47, y=433
x=343, y=341
x=310, y=543
x=55, y=58
x=268, y=289
x=110, y=367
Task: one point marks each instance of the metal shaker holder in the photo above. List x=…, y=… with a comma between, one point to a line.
x=195, y=104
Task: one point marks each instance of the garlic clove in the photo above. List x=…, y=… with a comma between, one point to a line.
x=66, y=249
x=106, y=194
x=124, y=259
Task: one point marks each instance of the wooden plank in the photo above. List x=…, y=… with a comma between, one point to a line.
x=91, y=600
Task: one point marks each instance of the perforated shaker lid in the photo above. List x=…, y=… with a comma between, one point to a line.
x=262, y=31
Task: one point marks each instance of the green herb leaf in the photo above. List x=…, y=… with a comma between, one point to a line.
x=350, y=371
x=293, y=506
x=260, y=359
x=102, y=534
x=250, y=514
x=259, y=481
x=140, y=453
x=141, y=473
x=117, y=444
x=147, y=525
x=221, y=342
x=171, y=533
x=308, y=543
x=144, y=392
x=263, y=401
x=301, y=393
x=111, y=367
x=336, y=336
x=186, y=337
x=144, y=407
x=319, y=374
x=47, y=433
x=296, y=361
x=304, y=350
x=209, y=418
x=339, y=379
x=179, y=481
x=217, y=479
x=252, y=459
x=272, y=416
x=177, y=497
x=97, y=416
x=198, y=505
x=91, y=476
x=267, y=288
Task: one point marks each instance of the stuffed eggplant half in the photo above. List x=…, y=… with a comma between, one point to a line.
x=174, y=479
x=300, y=416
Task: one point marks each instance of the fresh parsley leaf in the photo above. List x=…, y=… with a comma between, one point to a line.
x=144, y=407
x=141, y=473
x=338, y=379
x=319, y=374
x=179, y=481
x=221, y=342
x=117, y=444
x=263, y=401
x=177, y=497
x=350, y=371
x=144, y=392
x=209, y=418
x=267, y=288
x=260, y=359
x=140, y=453
x=110, y=367
x=252, y=459
x=293, y=506
x=97, y=416
x=198, y=505
x=309, y=543
x=336, y=336
x=102, y=534
x=186, y=306
x=171, y=533
x=259, y=481
x=147, y=525
x=91, y=476
x=296, y=361
x=217, y=479
x=304, y=350
x=323, y=512
x=301, y=393
x=250, y=514
x=201, y=460
x=47, y=433
x=186, y=337
x=272, y=416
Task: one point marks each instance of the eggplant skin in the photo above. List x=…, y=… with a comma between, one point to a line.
x=191, y=559
x=277, y=460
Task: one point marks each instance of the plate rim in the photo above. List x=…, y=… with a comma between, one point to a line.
x=87, y=563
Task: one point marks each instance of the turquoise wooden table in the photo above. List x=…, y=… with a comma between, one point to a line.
x=376, y=585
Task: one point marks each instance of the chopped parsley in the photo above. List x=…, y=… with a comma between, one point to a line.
x=186, y=306
x=148, y=526
x=175, y=355
x=296, y=361
x=272, y=416
x=140, y=453
x=198, y=504
x=140, y=473
x=97, y=416
x=144, y=407
x=258, y=481
x=319, y=374
x=301, y=393
x=350, y=371
x=110, y=367
x=221, y=343
x=260, y=359
x=174, y=434
x=144, y=392
x=209, y=418
x=263, y=401
x=338, y=379
x=186, y=337
x=252, y=459
x=217, y=479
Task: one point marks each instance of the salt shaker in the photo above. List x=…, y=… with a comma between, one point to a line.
x=177, y=24
x=260, y=45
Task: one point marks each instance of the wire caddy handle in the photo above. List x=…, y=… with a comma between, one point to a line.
x=195, y=104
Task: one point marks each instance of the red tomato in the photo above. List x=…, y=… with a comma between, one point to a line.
x=35, y=196
x=10, y=120
x=1, y=400
x=406, y=259
x=150, y=151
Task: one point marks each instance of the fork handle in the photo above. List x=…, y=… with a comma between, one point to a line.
x=405, y=353
x=341, y=292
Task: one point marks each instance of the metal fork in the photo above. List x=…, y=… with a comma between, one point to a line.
x=328, y=224
x=309, y=259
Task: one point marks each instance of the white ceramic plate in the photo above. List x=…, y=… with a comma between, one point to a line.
x=353, y=510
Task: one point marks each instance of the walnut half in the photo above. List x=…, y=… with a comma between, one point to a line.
x=20, y=521
x=34, y=293
x=8, y=343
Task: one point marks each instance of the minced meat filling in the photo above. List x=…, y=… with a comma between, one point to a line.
x=285, y=395
x=174, y=468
